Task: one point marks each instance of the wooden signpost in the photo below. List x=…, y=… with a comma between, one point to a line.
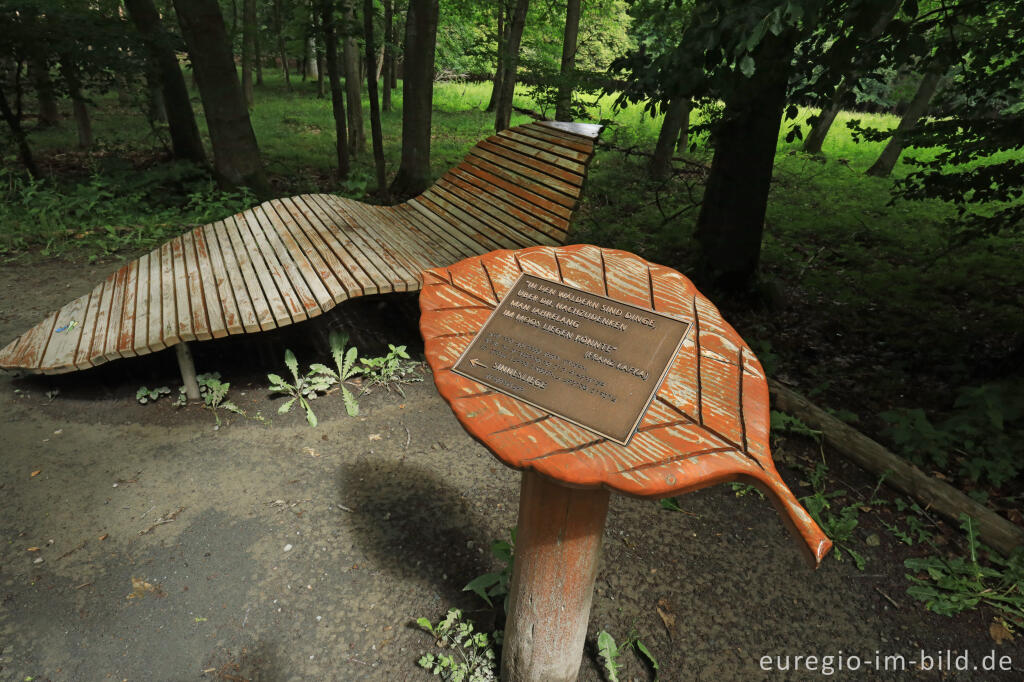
x=593, y=370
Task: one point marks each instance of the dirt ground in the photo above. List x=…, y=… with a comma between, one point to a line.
x=141, y=543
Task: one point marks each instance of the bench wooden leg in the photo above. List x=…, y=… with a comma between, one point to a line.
x=558, y=545
x=188, y=370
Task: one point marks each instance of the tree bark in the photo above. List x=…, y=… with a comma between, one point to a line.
x=279, y=28
x=371, y=90
x=567, y=73
x=503, y=110
x=157, y=109
x=499, y=63
x=678, y=109
x=917, y=108
x=39, y=72
x=248, y=47
x=389, y=53
x=312, y=70
x=819, y=131
x=236, y=157
x=417, y=98
x=353, y=91
x=78, y=107
x=337, y=96
x=18, y=133
x=181, y=120
x=683, y=143
x=257, y=51
x=731, y=219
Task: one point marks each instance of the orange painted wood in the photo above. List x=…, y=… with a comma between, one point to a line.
x=293, y=258
x=708, y=423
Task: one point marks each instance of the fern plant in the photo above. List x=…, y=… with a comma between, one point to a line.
x=323, y=377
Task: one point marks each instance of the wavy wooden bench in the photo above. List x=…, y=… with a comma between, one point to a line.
x=288, y=260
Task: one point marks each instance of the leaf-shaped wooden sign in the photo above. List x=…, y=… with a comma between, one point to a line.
x=707, y=424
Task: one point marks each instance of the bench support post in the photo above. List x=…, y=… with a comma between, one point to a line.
x=188, y=370
x=558, y=545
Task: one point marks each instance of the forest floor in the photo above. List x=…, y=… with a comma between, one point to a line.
x=141, y=543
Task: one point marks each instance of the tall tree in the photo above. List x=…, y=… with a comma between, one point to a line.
x=337, y=96
x=353, y=91
x=236, y=157
x=510, y=61
x=281, y=47
x=79, y=108
x=567, y=73
x=371, y=90
x=676, y=113
x=502, y=9
x=917, y=108
x=389, y=52
x=248, y=48
x=181, y=120
x=39, y=73
x=417, y=98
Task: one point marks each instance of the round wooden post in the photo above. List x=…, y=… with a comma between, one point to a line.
x=558, y=545
x=188, y=371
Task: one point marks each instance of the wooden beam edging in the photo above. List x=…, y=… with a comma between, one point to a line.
x=994, y=530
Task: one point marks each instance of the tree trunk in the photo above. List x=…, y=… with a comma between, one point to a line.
x=337, y=96
x=312, y=70
x=257, y=51
x=661, y=162
x=731, y=219
x=18, y=133
x=39, y=72
x=236, y=157
x=78, y=107
x=819, y=131
x=499, y=62
x=567, y=74
x=389, y=53
x=417, y=98
x=157, y=110
x=353, y=91
x=917, y=108
x=279, y=29
x=371, y=90
x=683, y=143
x=510, y=58
x=181, y=120
x=248, y=47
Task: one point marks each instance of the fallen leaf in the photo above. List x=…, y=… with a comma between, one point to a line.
x=140, y=588
x=311, y=452
x=32, y=549
x=35, y=473
x=374, y=436
x=667, y=617
x=999, y=632
x=103, y=537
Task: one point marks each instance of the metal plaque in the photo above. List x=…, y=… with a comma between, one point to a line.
x=589, y=359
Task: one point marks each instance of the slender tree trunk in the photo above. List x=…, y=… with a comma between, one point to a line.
x=661, y=162
x=279, y=29
x=181, y=120
x=731, y=219
x=248, y=47
x=389, y=54
x=78, y=107
x=353, y=91
x=503, y=111
x=567, y=74
x=683, y=143
x=819, y=131
x=39, y=72
x=236, y=157
x=499, y=62
x=917, y=108
x=337, y=96
x=157, y=108
x=312, y=70
x=371, y=90
x=257, y=51
x=417, y=97
x=320, y=72
x=13, y=121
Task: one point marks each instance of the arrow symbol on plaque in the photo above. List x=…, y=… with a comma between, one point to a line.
x=476, y=363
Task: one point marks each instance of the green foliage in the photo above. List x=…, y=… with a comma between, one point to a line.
x=608, y=650
x=302, y=388
x=495, y=585
x=948, y=586
x=787, y=423
x=837, y=525
x=744, y=489
x=151, y=395
x=982, y=433
x=471, y=659
x=214, y=393
x=322, y=377
x=391, y=370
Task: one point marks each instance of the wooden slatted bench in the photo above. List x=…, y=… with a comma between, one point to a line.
x=291, y=259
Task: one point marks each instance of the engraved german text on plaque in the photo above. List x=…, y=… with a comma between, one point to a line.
x=592, y=360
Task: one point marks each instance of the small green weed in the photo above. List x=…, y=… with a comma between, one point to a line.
x=472, y=658
x=212, y=390
x=839, y=526
x=949, y=586
x=608, y=650
x=495, y=585
x=151, y=395
x=743, y=489
x=302, y=388
x=345, y=361
x=394, y=369
x=787, y=423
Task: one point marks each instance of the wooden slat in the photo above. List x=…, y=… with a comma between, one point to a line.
x=32, y=346
x=115, y=310
x=265, y=303
x=290, y=282
x=541, y=151
x=154, y=328
x=344, y=284
x=60, y=352
x=408, y=251
x=440, y=247
x=97, y=350
x=472, y=207
x=250, y=318
x=581, y=158
x=279, y=291
x=532, y=227
x=140, y=346
x=552, y=188
x=476, y=240
x=388, y=257
x=315, y=272
x=584, y=132
x=458, y=242
x=500, y=187
x=546, y=133
x=183, y=309
x=442, y=211
x=82, y=353
x=208, y=276
x=452, y=210
x=525, y=159
x=126, y=338
x=197, y=302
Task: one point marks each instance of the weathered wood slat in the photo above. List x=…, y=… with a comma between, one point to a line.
x=99, y=338
x=194, y=287
x=317, y=275
x=531, y=224
x=179, y=284
x=154, y=315
x=551, y=212
x=436, y=246
x=563, y=192
x=83, y=352
x=266, y=304
x=506, y=154
x=249, y=316
x=437, y=208
x=471, y=215
x=208, y=277
x=114, y=312
x=413, y=255
x=300, y=300
x=551, y=146
x=548, y=135
x=67, y=332
x=125, y=343
x=541, y=151
x=344, y=284
x=458, y=240
x=340, y=241
x=280, y=293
